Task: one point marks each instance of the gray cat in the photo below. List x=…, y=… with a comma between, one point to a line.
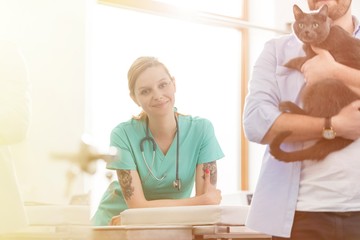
x=324, y=98
x=315, y=29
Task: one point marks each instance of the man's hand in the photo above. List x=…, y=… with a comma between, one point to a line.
x=319, y=67
x=347, y=122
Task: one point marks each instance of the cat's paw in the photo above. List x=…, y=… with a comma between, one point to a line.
x=295, y=63
x=290, y=107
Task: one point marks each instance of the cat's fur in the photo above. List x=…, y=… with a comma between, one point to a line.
x=324, y=98
x=317, y=31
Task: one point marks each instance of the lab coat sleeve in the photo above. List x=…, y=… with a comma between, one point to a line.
x=262, y=101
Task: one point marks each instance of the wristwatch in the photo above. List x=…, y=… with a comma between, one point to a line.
x=328, y=132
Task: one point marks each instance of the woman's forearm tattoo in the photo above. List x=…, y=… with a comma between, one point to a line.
x=125, y=180
x=213, y=171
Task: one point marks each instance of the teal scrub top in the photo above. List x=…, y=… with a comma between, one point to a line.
x=197, y=145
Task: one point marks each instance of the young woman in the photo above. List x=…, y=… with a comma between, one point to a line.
x=161, y=152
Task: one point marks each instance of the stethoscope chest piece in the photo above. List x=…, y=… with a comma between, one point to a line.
x=177, y=184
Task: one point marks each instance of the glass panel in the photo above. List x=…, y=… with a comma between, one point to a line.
x=230, y=8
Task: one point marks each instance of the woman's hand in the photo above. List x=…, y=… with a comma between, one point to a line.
x=211, y=195
x=116, y=220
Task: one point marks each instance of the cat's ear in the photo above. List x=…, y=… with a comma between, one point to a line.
x=297, y=12
x=323, y=11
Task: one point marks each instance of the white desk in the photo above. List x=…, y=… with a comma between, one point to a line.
x=181, y=223
x=142, y=233
x=51, y=233
x=175, y=233
x=226, y=232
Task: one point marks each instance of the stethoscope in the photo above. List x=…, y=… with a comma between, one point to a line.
x=176, y=182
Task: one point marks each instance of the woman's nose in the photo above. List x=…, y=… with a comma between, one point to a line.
x=157, y=95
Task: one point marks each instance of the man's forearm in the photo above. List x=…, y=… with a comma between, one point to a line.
x=303, y=128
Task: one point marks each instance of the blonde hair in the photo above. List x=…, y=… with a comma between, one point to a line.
x=138, y=67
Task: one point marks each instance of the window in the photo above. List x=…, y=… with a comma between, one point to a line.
x=205, y=59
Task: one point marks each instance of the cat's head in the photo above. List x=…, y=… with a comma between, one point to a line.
x=313, y=27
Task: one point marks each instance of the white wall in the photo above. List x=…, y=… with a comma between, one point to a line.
x=51, y=36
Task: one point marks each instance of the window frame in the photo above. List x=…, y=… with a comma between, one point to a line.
x=240, y=24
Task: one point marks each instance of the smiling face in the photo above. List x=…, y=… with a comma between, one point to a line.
x=154, y=91
x=337, y=8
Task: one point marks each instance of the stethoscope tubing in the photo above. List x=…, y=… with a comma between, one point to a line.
x=177, y=182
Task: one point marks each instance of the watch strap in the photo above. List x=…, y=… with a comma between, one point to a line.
x=327, y=123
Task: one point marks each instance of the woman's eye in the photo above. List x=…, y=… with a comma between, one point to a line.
x=145, y=92
x=164, y=85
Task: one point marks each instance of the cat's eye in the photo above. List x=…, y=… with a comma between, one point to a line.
x=315, y=25
x=301, y=25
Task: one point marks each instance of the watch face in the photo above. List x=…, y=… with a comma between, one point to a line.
x=329, y=134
